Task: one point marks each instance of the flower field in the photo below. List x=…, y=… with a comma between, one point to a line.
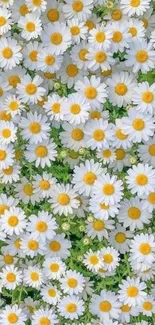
x=77, y=162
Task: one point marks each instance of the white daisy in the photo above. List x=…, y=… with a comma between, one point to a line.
x=30, y=25
x=54, y=268
x=79, y=9
x=11, y=277
x=110, y=258
x=78, y=30
x=37, y=6
x=120, y=239
x=120, y=36
x=71, y=307
x=50, y=294
x=99, y=228
x=57, y=37
x=25, y=191
x=6, y=155
x=41, y=153
x=7, y=132
x=30, y=246
x=146, y=152
x=73, y=136
x=132, y=7
x=33, y=276
x=42, y=226
x=59, y=246
x=98, y=134
x=132, y=291
x=75, y=109
x=100, y=36
x=102, y=211
x=108, y=189
x=13, y=221
x=99, y=59
x=45, y=315
x=72, y=283
x=78, y=55
x=5, y=21
x=43, y=185
x=29, y=90
x=144, y=97
x=12, y=315
x=105, y=305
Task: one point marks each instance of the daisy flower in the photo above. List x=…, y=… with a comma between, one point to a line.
x=30, y=246
x=36, y=5
x=5, y=22
x=136, y=29
x=44, y=315
x=29, y=90
x=92, y=260
x=100, y=37
x=6, y=155
x=144, y=97
x=102, y=211
x=78, y=30
x=11, y=277
x=72, y=283
x=13, y=221
x=12, y=315
x=99, y=59
x=33, y=276
x=54, y=268
x=106, y=156
x=50, y=294
x=141, y=179
x=148, y=306
x=48, y=62
x=132, y=291
x=25, y=191
x=99, y=228
x=30, y=25
x=57, y=37
x=73, y=136
x=54, y=106
x=120, y=239
x=71, y=307
x=78, y=55
x=43, y=185
x=79, y=9
x=10, y=53
x=146, y=152
x=41, y=153
x=53, y=12
x=6, y=203
x=127, y=311
x=120, y=36
x=19, y=9
x=110, y=258
x=59, y=246
x=92, y=90
x=149, y=201
x=132, y=7
x=108, y=189
x=4, y=88
x=7, y=132
x=75, y=109
x=13, y=106
x=31, y=52
x=98, y=134
x=105, y=305
x=63, y=199
x=42, y=226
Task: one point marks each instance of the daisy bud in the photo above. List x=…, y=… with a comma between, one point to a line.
x=80, y=258
x=109, y=4
x=56, y=85
x=86, y=241
x=82, y=228
x=65, y=226
x=132, y=160
x=82, y=151
x=63, y=154
x=90, y=218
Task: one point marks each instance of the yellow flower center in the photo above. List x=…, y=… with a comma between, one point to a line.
x=12, y=318
x=13, y=221
x=33, y=55
x=138, y=124
x=93, y=260
x=17, y=243
x=148, y=97
x=8, y=259
x=2, y=155
x=28, y=189
x=75, y=109
x=4, y=116
x=145, y=248
x=72, y=70
x=56, y=108
x=41, y=226
x=7, y=53
x=49, y=75
x=37, y=3
x=120, y=135
x=2, y=21
x=106, y=73
x=142, y=179
x=134, y=213
x=108, y=258
x=145, y=22
x=50, y=59
x=30, y=27
x=125, y=308
x=53, y=15
x=33, y=245
x=1, y=92
x=77, y=6
x=34, y=276
x=44, y=321
x=98, y=225
x=56, y=38
x=82, y=54
x=55, y=246
x=51, y=292
x=120, y=154
x=141, y=56
x=108, y=189
x=116, y=15
x=117, y=37
x=11, y=277
x=54, y=267
x=103, y=206
x=90, y=24
x=106, y=153
x=147, y=305
x=44, y=185
x=73, y=154
x=90, y=92
x=71, y=308
x=134, y=3
x=72, y=283
x=121, y=89
x=133, y=31
x=100, y=37
x=151, y=149
x=95, y=114
x=120, y=237
x=41, y=151
x=77, y=134
x=6, y=133
x=105, y=306
x=75, y=30
x=151, y=198
x=100, y=57
x=3, y=207
x=132, y=291
x=99, y=135
x=23, y=10
x=13, y=106
x=89, y=178
x=63, y=199
x=13, y=81
x=31, y=89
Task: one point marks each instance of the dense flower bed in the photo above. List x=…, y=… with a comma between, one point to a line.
x=77, y=162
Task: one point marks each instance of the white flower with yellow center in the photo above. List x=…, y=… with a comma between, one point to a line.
x=134, y=7
x=7, y=259
x=78, y=55
x=99, y=59
x=63, y=199
x=98, y=134
x=120, y=88
x=13, y=77
x=25, y=191
x=99, y=228
x=80, y=9
x=136, y=29
x=93, y=90
x=85, y=175
x=105, y=305
x=29, y=90
x=72, y=282
x=147, y=307
x=31, y=52
x=30, y=25
x=120, y=239
x=44, y=316
x=13, y=315
x=78, y=30
x=141, y=179
x=73, y=137
x=92, y=261
x=57, y=37
x=6, y=203
x=120, y=36
x=31, y=247
x=134, y=214
x=14, y=245
x=42, y=226
x=50, y=294
x=138, y=126
x=100, y=37
x=35, y=127
x=42, y=153
x=71, y=307
x=110, y=258
x=11, y=277
x=37, y=6
x=5, y=21
x=49, y=62
x=13, y=221
x=146, y=152
x=59, y=246
x=76, y=109
x=102, y=211
x=148, y=20
x=33, y=276
x=142, y=251
x=6, y=155
x=121, y=161
x=140, y=56
x=144, y=97
x=4, y=88
x=19, y=9
x=54, y=268
x=132, y=292
x=116, y=14
x=10, y=53
x=53, y=12
x=43, y=185
x=13, y=105
x=106, y=156
x=6, y=3
x=149, y=201
x=108, y=190
x=127, y=311
x=29, y=306
x=53, y=107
